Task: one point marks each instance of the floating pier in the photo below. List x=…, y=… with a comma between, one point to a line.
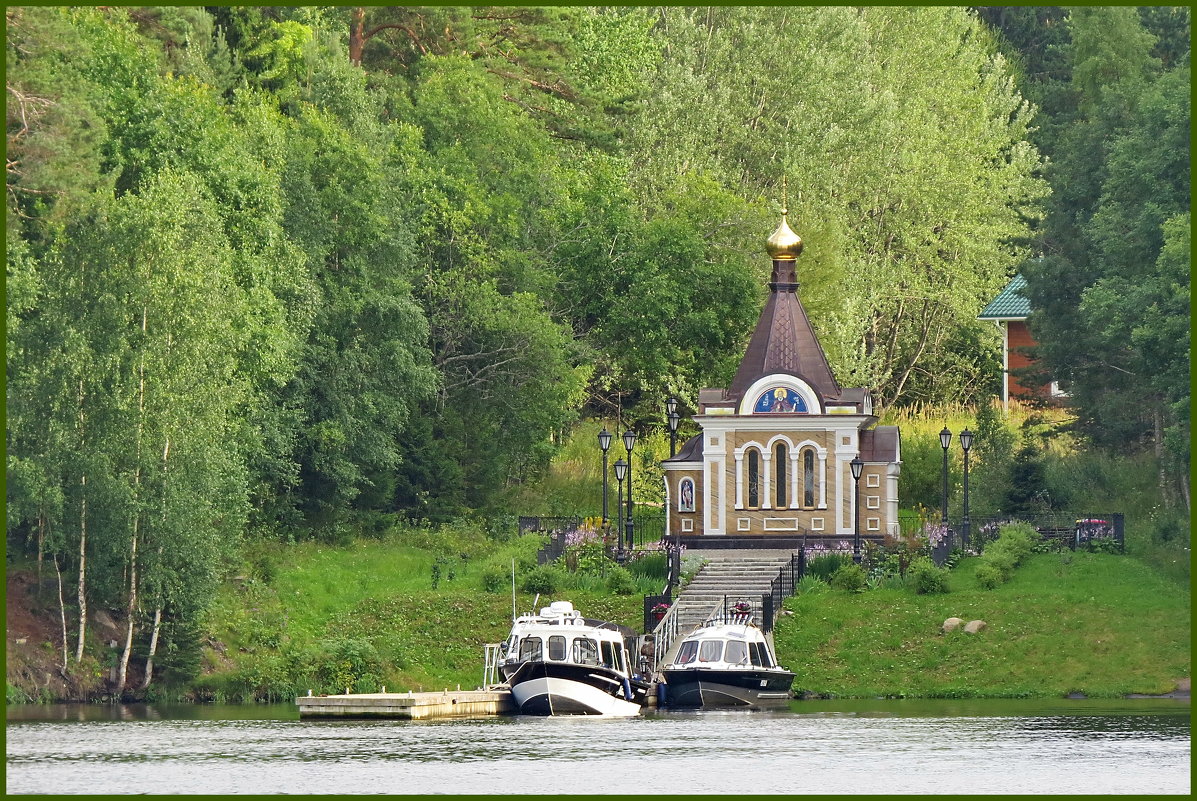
x=409, y=705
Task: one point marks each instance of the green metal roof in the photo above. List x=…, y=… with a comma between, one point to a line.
x=1010, y=304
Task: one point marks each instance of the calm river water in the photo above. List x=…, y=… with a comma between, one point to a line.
x=816, y=747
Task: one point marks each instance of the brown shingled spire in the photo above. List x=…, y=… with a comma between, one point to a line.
x=784, y=341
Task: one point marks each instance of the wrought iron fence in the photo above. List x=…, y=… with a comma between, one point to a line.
x=1065, y=529
x=557, y=527
x=780, y=588
x=647, y=529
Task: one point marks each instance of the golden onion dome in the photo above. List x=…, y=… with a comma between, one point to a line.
x=783, y=244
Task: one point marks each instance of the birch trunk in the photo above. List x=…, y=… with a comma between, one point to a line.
x=61, y=614
x=149, y=661
x=1158, y=437
x=82, y=568
x=130, y=612
x=131, y=607
x=41, y=546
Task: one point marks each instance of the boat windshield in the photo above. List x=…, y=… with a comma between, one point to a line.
x=709, y=650
x=686, y=654
x=530, y=649
x=585, y=651
x=557, y=648
x=760, y=655
x=736, y=652
x=611, y=656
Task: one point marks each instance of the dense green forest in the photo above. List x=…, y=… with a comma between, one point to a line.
x=280, y=273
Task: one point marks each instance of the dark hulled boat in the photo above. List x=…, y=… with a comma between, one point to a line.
x=726, y=662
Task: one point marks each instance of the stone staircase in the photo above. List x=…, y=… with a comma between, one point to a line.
x=736, y=574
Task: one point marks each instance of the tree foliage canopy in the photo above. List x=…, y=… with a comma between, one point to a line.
x=273, y=267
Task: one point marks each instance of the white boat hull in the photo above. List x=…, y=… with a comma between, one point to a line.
x=555, y=696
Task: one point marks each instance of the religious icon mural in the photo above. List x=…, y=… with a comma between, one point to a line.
x=686, y=495
x=779, y=400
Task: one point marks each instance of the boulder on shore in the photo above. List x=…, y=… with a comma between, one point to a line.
x=973, y=626
x=951, y=624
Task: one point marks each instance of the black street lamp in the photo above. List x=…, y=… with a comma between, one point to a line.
x=604, y=439
x=857, y=468
x=966, y=442
x=629, y=442
x=621, y=470
x=673, y=418
x=945, y=439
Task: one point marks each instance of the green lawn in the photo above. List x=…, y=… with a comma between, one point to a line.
x=1099, y=624
x=366, y=616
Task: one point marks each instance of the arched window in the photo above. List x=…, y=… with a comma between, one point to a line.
x=754, y=479
x=781, y=459
x=808, y=478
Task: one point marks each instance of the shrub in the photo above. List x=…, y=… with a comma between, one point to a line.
x=652, y=564
x=620, y=581
x=1002, y=558
x=849, y=578
x=825, y=566
x=1020, y=539
x=927, y=578
x=809, y=584
x=544, y=580
x=349, y=662
x=988, y=575
x=495, y=578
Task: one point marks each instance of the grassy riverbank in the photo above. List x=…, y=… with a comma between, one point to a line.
x=410, y=611
x=367, y=615
x=1100, y=624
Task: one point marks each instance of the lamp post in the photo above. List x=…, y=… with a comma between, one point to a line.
x=629, y=442
x=966, y=442
x=945, y=439
x=604, y=439
x=673, y=418
x=857, y=468
x=621, y=470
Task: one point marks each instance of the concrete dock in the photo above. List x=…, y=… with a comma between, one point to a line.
x=409, y=705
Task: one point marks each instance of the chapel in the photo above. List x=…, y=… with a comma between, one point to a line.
x=773, y=461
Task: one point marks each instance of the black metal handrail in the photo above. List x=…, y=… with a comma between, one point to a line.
x=780, y=588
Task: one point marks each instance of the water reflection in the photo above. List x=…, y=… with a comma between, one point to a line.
x=816, y=747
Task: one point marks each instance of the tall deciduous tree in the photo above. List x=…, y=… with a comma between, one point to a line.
x=1107, y=295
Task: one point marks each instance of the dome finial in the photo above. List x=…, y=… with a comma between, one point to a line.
x=783, y=244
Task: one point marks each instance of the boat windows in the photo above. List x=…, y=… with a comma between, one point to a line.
x=557, y=648
x=530, y=649
x=760, y=655
x=585, y=651
x=710, y=650
x=687, y=652
x=610, y=655
x=735, y=653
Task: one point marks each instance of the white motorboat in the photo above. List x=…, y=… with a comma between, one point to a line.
x=560, y=663
x=726, y=662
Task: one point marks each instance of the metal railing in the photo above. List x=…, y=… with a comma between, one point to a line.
x=1065, y=529
x=780, y=588
x=667, y=629
x=647, y=528
x=490, y=666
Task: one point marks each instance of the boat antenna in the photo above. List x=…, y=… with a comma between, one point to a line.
x=514, y=615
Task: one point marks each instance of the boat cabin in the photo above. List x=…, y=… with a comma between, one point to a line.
x=720, y=647
x=560, y=634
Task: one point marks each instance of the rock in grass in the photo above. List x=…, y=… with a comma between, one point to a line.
x=973, y=626
x=951, y=624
